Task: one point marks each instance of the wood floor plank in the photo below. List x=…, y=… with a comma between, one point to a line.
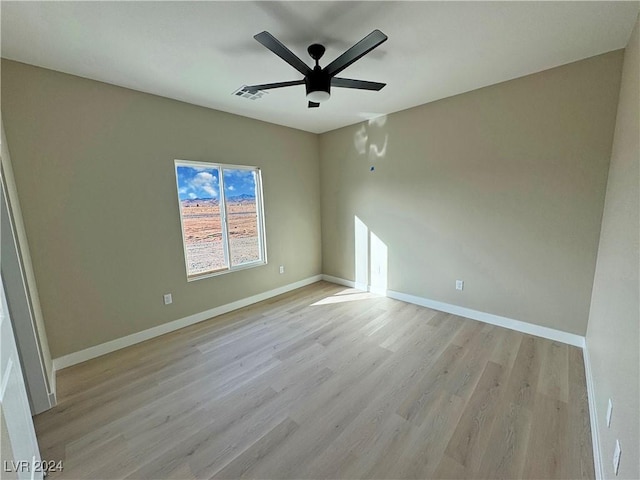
x=506, y=451
x=244, y=425
x=369, y=445
x=474, y=361
x=265, y=445
x=554, y=371
x=448, y=468
x=432, y=437
x=544, y=459
x=507, y=347
x=427, y=389
x=524, y=376
x=471, y=436
x=579, y=448
x=325, y=382
x=406, y=319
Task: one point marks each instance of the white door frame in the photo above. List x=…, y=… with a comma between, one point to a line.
x=21, y=293
x=24, y=461
x=20, y=309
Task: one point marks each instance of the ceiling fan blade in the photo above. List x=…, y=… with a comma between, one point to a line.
x=273, y=44
x=268, y=86
x=313, y=105
x=359, y=84
x=360, y=49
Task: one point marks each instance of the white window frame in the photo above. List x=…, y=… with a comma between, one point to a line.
x=262, y=239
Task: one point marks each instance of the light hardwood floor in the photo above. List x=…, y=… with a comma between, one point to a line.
x=326, y=382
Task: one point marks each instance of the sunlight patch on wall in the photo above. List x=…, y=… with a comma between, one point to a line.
x=370, y=259
x=360, y=140
x=378, y=265
x=361, y=254
x=371, y=140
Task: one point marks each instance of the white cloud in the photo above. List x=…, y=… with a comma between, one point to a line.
x=232, y=188
x=203, y=178
x=206, y=182
x=192, y=196
x=210, y=190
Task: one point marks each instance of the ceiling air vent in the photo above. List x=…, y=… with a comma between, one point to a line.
x=245, y=93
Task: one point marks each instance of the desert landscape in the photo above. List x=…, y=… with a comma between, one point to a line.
x=201, y=221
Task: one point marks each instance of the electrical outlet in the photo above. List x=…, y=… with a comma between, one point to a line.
x=167, y=299
x=616, y=457
x=281, y=268
x=609, y=412
x=459, y=284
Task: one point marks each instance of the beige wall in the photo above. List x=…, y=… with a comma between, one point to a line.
x=502, y=187
x=613, y=336
x=93, y=165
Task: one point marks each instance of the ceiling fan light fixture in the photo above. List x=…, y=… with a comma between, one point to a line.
x=318, y=86
x=318, y=96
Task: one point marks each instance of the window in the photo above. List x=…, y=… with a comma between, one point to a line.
x=222, y=217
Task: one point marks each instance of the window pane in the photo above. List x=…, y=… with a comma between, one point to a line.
x=198, y=189
x=242, y=215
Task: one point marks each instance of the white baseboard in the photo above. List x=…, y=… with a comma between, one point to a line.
x=518, y=325
x=593, y=415
x=343, y=282
x=358, y=285
x=119, y=343
x=53, y=392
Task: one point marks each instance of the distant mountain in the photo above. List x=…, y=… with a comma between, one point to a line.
x=240, y=198
x=243, y=197
x=194, y=202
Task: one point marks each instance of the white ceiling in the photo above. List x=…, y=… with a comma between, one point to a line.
x=201, y=52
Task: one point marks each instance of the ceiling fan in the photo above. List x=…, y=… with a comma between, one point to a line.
x=318, y=81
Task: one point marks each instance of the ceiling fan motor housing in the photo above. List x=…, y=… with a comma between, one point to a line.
x=318, y=84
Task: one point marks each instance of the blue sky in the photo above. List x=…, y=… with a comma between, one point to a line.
x=202, y=182
x=239, y=182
